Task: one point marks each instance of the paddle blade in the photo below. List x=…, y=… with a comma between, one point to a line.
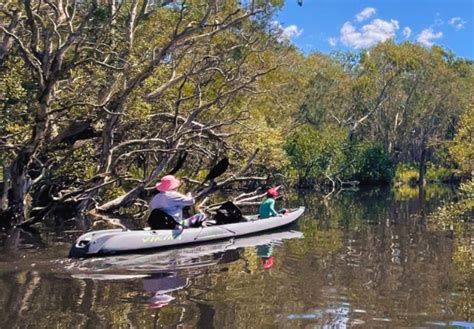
x=218, y=169
x=179, y=163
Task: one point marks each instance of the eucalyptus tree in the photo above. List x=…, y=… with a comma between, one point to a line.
x=94, y=89
x=346, y=93
x=429, y=95
x=401, y=95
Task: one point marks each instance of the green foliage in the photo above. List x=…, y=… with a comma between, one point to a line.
x=401, y=97
x=438, y=174
x=371, y=164
x=217, y=90
x=208, y=78
x=407, y=173
x=408, y=192
x=80, y=165
x=316, y=154
x=319, y=153
x=452, y=215
x=462, y=147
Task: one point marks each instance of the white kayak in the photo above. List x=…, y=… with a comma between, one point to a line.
x=107, y=242
x=141, y=265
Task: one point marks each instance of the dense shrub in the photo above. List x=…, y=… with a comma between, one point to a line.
x=371, y=164
x=315, y=154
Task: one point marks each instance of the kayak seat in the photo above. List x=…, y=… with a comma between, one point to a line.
x=160, y=220
x=228, y=213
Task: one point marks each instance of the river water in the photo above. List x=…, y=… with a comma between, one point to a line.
x=358, y=259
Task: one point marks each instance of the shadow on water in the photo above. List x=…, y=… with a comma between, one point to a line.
x=364, y=258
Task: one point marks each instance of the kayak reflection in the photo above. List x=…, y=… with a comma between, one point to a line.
x=165, y=278
x=201, y=255
x=161, y=285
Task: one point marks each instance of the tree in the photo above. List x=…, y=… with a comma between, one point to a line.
x=404, y=96
x=462, y=147
x=317, y=155
x=125, y=86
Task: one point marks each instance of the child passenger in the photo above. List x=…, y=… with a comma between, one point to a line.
x=267, y=207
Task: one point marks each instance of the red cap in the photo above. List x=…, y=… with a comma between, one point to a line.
x=272, y=192
x=267, y=262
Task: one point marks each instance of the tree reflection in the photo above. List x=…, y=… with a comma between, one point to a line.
x=365, y=259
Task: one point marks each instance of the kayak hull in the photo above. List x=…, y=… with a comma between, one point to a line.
x=106, y=242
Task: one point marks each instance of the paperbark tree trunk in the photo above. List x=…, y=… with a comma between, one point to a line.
x=20, y=180
x=422, y=166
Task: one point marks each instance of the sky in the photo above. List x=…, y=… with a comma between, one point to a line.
x=328, y=25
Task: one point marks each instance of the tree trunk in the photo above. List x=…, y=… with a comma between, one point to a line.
x=20, y=180
x=124, y=200
x=6, y=187
x=20, y=184
x=421, y=200
x=422, y=167
x=130, y=196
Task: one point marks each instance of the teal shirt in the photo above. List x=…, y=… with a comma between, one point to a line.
x=267, y=208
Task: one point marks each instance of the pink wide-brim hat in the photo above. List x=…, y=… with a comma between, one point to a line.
x=158, y=301
x=168, y=183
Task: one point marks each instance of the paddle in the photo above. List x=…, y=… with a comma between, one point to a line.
x=179, y=163
x=215, y=172
x=218, y=169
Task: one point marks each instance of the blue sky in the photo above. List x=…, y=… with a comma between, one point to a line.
x=327, y=25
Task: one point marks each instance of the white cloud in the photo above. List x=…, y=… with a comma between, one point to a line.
x=285, y=33
x=291, y=31
x=427, y=36
x=457, y=22
x=332, y=41
x=369, y=35
x=364, y=14
x=406, y=32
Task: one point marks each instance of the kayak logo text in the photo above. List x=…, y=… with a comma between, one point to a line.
x=150, y=239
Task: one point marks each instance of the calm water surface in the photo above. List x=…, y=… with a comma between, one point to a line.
x=362, y=259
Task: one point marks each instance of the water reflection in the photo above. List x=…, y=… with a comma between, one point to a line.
x=160, y=287
x=194, y=256
x=265, y=252
x=365, y=259
x=332, y=317
x=22, y=238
